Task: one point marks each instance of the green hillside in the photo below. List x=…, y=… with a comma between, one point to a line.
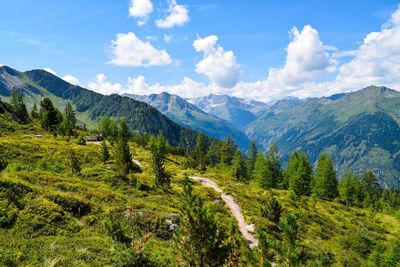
x=52, y=217
x=360, y=129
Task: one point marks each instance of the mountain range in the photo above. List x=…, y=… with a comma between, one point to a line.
x=359, y=129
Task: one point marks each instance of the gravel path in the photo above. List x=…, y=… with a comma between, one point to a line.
x=235, y=209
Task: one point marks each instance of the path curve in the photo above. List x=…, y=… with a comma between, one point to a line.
x=234, y=207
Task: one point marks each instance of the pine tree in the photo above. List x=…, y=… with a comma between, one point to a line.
x=251, y=158
x=199, y=153
x=272, y=209
x=300, y=180
x=69, y=122
x=227, y=150
x=105, y=153
x=20, y=111
x=262, y=174
x=370, y=186
x=50, y=117
x=108, y=128
x=274, y=165
x=199, y=240
x=122, y=153
x=325, y=182
x=350, y=190
x=291, y=170
x=74, y=162
x=157, y=147
x=239, y=166
x=213, y=157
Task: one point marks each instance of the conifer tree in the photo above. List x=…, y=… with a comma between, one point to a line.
x=251, y=158
x=199, y=240
x=272, y=209
x=105, y=153
x=69, y=122
x=19, y=107
x=274, y=165
x=325, y=181
x=350, y=190
x=213, y=157
x=199, y=153
x=300, y=179
x=227, y=150
x=370, y=186
x=122, y=153
x=34, y=112
x=262, y=174
x=157, y=147
x=291, y=169
x=239, y=166
x=50, y=117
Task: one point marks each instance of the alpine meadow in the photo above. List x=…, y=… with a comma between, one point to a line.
x=200, y=133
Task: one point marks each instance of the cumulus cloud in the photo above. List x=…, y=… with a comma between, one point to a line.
x=100, y=85
x=218, y=65
x=70, y=79
x=376, y=61
x=49, y=70
x=129, y=50
x=140, y=9
x=178, y=15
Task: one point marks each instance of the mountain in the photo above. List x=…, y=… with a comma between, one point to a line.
x=187, y=114
x=360, y=129
x=237, y=111
x=91, y=106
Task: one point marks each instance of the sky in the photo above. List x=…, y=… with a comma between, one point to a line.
x=256, y=49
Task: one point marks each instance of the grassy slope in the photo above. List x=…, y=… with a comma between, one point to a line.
x=44, y=231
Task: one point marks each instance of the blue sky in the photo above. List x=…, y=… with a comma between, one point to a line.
x=80, y=38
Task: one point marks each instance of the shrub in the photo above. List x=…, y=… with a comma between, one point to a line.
x=3, y=164
x=8, y=212
x=81, y=141
x=73, y=205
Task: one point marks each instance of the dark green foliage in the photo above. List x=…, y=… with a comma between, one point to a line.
x=122, y=153
x=273, y=164
x=199, y=153
x=350, y=190
x=213, y=156
x=3, y=164
x=50, y=117
x=81, y=141
x=19, y=108
x=325, y=182
x=69, y=122
x=251, y=158
x=239, y=166
x=157, y=147
x=199, y=240
x=393, y=254
x=272, y=209
x=376, y=258
x=77, y=207
x=116, y=231
x=300, y=174
x=108, y=128
x=370, y=186
x=227, y=150
x=104, y=152
x=74, y=162
x=8, y=212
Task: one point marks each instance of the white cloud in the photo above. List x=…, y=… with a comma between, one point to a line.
x=218, y=65
x=50, y=71
x=140, y=9
x=168, y=38
x=178, y=16
x=70, y=79
x=102, y=86
x=128, y=50
x=376, y=61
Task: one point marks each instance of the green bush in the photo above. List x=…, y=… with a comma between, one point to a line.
x=8, y=212
x=81, y=141
x=3, y=164
x=77, y=207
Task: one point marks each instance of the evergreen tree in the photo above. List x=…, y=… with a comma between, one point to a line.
x=325, y=181
x=74, y=162
x=272, y=209
x=34, y=112
x=69, y=122
x=199, y=153
x=213, y=157
x=227, y=150
x=49, y=115
x=350, y=190
x=273, y=163
x=19, y=108
x=199, y=240
x=300, y=180
x=108, y=128
x=251, y=158
x=370, y=186
x=239, y=166
x=157, y=146
x=122, y=153
x=291, y=170
x=123, y=129
x=262, y=174
x=105, y=153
